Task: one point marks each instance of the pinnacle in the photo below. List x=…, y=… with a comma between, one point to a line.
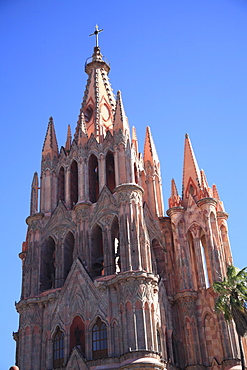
x=150, y=152
x=50, y=143
x=120, y=119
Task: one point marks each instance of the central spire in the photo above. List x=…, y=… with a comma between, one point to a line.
x=99, y=104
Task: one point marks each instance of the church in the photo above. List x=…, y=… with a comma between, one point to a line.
x=109, y=280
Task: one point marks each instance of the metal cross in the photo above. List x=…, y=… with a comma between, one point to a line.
x=96, y=33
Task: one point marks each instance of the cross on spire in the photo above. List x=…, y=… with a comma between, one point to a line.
x=96, y=33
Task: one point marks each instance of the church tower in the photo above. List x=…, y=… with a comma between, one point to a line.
x=108, y=281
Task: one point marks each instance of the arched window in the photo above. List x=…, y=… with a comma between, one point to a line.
x=93, y=176
x=58, y=349
x=77, y=334
x=61, y=185
x=47, y=276
x=73, y=183
x=110, y=171
x=68, y=253
x=97, y=252
x=99, y=340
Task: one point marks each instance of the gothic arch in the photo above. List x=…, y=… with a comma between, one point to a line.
x=48, y=273
x=97, y=251
x=110, y=171
x=93, y=178
x=61, y=184
x=73, y=183
x=99, y=339
x=68, y=250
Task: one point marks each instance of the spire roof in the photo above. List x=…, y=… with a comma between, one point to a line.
x=98, y=103
x=50, y=144
x=150, y=153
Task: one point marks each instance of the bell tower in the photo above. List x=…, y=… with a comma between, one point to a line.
x=108, y=281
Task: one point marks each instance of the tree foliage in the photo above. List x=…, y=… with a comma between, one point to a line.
x=232, y=299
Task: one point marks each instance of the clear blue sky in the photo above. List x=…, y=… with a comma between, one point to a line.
x=181, y=67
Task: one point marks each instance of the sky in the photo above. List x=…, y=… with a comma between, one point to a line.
x=181, y=67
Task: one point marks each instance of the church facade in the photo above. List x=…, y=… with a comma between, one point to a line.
x=108, y=281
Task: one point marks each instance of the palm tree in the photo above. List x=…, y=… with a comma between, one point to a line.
x=232, y=301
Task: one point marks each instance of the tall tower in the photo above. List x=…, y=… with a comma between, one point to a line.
x=108, y=282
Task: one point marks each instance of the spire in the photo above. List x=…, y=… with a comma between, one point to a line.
x=50, y=144
x=174, y=200
x=134, y=140
x=68, y=140
x=191, y=173
x=98, y=103
x=120, y=119
x=150, y=153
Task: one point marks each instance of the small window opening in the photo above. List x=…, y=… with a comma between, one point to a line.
x=88, y=114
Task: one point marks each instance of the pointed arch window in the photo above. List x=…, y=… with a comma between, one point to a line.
x=97, y=252
x=61, y=185
x=99, y=339
x=93, y=175
x=73, y=183
x=47, y=277
x=58, y=349
x=110, y=171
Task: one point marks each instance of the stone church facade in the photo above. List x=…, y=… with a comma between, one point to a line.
x=108, y=281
